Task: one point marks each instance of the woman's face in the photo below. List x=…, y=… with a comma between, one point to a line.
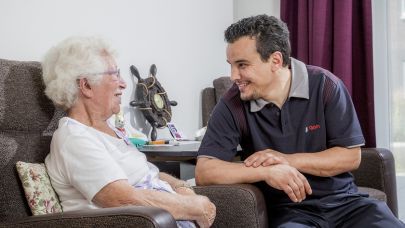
x=107, y=93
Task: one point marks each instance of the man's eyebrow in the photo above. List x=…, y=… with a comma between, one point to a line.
x=241, y=61
x=238, y=61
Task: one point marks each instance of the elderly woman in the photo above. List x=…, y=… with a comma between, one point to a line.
x=91, y=165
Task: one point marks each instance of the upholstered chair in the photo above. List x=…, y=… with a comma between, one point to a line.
x=27, y=121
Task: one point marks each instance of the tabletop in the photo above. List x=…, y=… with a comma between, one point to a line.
x=187, y=149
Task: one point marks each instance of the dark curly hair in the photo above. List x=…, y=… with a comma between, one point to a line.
x=271, y=35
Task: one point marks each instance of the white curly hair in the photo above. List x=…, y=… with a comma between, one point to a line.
x=72, y=59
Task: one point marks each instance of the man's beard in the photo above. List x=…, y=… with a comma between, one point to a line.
x=249, y=97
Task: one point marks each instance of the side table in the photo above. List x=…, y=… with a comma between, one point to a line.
x=177, y=160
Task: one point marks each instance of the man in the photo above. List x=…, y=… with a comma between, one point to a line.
x=298, y=130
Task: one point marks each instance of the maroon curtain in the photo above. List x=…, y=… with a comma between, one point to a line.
x=337, y=35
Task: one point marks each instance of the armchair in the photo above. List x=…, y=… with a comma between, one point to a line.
x=375, y=176
x=27, y=121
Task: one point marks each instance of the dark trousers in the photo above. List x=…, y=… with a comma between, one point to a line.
x=344, y=210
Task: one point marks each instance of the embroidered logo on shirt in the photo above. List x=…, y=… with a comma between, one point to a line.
x=312, y=128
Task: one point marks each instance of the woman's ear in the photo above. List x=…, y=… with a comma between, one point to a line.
x=85, y=87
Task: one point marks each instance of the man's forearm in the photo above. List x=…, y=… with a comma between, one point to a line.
x=330, y=162
x=214, y=171
x=279, y=176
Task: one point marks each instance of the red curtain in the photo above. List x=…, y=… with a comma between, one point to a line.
x=337, y=35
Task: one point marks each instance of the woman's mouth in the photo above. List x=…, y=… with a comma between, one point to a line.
x=118, y=95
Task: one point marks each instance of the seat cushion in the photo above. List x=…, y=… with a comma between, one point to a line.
x=374, y=193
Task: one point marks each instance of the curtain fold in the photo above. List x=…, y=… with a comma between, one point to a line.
x=337, y=35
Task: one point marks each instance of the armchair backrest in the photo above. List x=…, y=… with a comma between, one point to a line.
x=211, y=95
x=25, y=130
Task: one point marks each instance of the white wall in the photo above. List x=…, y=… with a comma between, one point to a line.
x=245, y=8
x=184, y=38
x=381, y=84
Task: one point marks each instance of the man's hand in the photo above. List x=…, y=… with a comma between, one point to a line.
x=290, y=180
x=265, y=158
x=281, y=175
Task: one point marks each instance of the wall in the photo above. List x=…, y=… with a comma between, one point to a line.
x=381, y=85
x=243, y=8
x=184, y=38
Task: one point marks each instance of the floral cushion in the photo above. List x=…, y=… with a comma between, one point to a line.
x=40, y=195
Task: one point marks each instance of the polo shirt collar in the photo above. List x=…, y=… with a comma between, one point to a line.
x=299, y=85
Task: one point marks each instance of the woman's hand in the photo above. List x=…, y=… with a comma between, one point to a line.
x=185, y=191
x=206, y=211
x=179, y=186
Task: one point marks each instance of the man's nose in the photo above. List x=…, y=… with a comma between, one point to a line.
x=234, y=74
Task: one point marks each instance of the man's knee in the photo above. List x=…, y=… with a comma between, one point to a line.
x=374, y=212
x=296, y=224
x=377, y=207
x=293, y=218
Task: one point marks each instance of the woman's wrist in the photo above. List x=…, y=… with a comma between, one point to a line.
x=182, y=184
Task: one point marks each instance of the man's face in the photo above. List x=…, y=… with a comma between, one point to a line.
x=248, y=71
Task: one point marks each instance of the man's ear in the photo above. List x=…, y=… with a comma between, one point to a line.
x=276, y=59
x=85, y=87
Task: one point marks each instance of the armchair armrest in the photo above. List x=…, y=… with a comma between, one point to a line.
x=130, y=216
x=238, y=205
x=377, y=170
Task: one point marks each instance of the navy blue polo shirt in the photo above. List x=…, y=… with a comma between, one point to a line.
x=318, y=114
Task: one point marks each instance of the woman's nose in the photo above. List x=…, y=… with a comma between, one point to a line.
x=122, y=83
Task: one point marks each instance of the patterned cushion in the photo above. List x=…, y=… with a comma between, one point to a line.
x=40, y=195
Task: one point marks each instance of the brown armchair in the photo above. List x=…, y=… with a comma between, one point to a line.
x=27, y=121
x=375, y=176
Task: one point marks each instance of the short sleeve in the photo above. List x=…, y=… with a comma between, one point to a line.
x=88, y=165
x=343, y=127
x=222, y=136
